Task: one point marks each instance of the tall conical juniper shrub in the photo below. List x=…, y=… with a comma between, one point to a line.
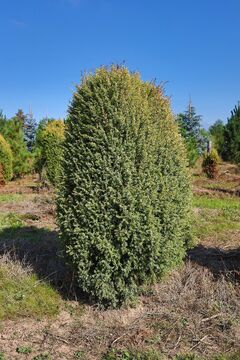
x=124, y=199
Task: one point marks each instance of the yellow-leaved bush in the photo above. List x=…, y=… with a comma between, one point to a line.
x=49, y=150
x=210, y=164
x=6, y=160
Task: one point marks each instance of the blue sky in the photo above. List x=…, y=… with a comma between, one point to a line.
x=192, y=45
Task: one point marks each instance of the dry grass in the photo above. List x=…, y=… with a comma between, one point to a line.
x=226, y=184
x=195, y=309
x=15, y=267
x=191, y=311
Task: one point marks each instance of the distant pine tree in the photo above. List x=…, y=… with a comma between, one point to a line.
x=190, y=129
x=190, y=123
x=30, y=127
x=14, y=134
x=232, y=137
x=217, y=135
x=3, y=121
x=21, y=117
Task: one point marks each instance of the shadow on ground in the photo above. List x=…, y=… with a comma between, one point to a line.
x=39, y=248
x=220, y=262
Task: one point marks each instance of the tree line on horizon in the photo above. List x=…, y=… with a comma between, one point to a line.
x=224, y=138
x=36, y=146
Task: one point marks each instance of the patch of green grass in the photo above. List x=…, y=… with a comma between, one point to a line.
x=8, y=198
x=10, y=220
x=208, y=223
x=205, y=202
x=226, y=185
x=22, y=294
x=29, y=216
x=132, y=355
x=187, y=357
x=2, y=356
x=235, y=356
x=14, y=221
x=216, y=216
x=152, y=355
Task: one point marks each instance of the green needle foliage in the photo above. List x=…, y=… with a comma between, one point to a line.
x=13, y=133
x=190, y=129
x=231, y=148
x=12, y=130
x=49, y=149
x=217, y=135
x=6, y=170
x=123, y=202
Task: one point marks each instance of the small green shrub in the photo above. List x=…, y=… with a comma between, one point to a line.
x=24, y=350
x=42, y=357
x=187, y=357
x=210, y=164
x=192, y=151
x=49, y=150
x=2, y=356
x=79, y=355
x=5, y=160
x=132, y=355
x=123, y=202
